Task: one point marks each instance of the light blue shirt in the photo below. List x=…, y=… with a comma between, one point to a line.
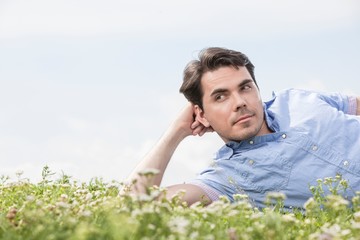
x=316, y=135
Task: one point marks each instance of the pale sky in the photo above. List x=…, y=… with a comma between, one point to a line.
x=87, y=87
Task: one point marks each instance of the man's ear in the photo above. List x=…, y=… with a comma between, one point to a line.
x=200, y=116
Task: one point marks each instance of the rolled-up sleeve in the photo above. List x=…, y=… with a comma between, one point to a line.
x=352, y=105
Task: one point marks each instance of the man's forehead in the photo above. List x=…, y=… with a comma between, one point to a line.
x=224, y=77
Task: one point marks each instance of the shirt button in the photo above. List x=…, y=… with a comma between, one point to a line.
x=251, y=142
x=314, y=148
x=251, y=162
x=346, y=163
x=283, y=136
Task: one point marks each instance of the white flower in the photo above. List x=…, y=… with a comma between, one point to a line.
x=355, y=225
x=88, y=196
x=64, y=196
x=194, y=235
x=30, y=198
x=39, y=203
x=18, y=173
x=62, y=205
x=310, y=203
x=178, y=224
x=357, y=216
x=86, y=213
x=149, y=172
x=276, y=195
x=289, y=218
x=151, y=226
x=333, y=230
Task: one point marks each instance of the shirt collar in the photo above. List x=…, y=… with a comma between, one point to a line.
x=232, y=147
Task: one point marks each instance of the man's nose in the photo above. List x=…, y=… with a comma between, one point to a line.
x=238, y=101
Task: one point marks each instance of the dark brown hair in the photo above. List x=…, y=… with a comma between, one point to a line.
x=210, y=59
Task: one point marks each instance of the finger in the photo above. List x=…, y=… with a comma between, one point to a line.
x=195, y=124
x=198, y=130
x=203, y=131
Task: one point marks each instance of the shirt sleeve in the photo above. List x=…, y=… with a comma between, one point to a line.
x=209, y=191
x=352, y=105
x=344, y=103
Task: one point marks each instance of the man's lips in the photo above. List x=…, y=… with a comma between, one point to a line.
x=243, y=118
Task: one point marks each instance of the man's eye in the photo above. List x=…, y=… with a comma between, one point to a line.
x=219, y=97
x=246, y=87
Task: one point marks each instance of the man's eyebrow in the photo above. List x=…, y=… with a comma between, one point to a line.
x=246, y=81
x=219, y=90
x=223, y=90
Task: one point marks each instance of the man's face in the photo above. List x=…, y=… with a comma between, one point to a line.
x=232, y=104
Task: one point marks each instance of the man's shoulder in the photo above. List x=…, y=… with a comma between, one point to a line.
x=294, y=95
x=294, y=91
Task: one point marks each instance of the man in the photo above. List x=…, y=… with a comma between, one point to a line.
x=283, y=145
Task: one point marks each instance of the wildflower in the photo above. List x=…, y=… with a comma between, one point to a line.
x=151, y=226
x=240, y=197
x=88, y=196
x=233, y=213
x=179, y=224
x=64, y=197
x=257, y=215
x=336, y=201
x=322, y=236
x=62, y=205
x=74, y=203
x=344, y=183
x=307, y=221
x=319, y=181
x=194, y=235
x=310, y=204
x=357, y=216
x=345, y=232
x=19, y=173
x=355, y=225
x=86, y=213
x=196, y=224
x=328, y=180
x=144, y=198
x=209, y=237
x=276, y=195
x=289, y=218
x=39, y=203
x=333, y=230
x=149, y=172
x=30, y=198
x=224, y=199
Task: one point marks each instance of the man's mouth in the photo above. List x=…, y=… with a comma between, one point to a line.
x=243, y=118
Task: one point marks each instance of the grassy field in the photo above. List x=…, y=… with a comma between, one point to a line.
x=66, y=209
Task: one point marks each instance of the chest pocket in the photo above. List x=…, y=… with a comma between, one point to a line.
x=261, y=171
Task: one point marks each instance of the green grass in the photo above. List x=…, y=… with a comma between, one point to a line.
x=66, y=209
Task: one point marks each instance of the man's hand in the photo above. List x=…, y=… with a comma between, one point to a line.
x=188, y=123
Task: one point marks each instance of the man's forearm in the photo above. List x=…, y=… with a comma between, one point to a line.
x=158, y=158
x=358, y=106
